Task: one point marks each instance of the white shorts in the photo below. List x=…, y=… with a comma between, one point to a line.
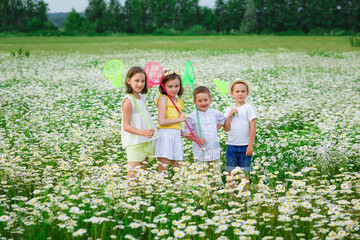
x=169, y=144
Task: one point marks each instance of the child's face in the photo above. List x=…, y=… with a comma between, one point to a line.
x=137, y=82
x=202, y=101
x=172, y=87
x=239, y=92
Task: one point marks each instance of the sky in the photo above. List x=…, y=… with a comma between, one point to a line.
x=80, y=5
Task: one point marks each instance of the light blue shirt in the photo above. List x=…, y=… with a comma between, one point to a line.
x=208, y=124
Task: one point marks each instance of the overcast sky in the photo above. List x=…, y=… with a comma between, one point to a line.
x=80, y=5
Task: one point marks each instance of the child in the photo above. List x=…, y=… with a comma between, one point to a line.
x=241, y=128
x=169, y=146
x=137, y=138
x=210, y=122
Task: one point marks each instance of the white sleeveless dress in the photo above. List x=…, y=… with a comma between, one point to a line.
x=137, y=120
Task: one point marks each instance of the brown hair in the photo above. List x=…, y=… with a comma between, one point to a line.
x=201, y=89
x=132, y=72
x=169, y=78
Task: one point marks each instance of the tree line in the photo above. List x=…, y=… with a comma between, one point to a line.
x=24, y=16
x=176, y=16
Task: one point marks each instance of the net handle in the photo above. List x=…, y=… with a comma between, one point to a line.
x=140, y=110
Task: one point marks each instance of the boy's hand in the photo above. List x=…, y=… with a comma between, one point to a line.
x=149, y=133
x=232, y=112
x=186, y=135
x=190, y=137
x=201, y=140
x=182, y=117
x=249, y=150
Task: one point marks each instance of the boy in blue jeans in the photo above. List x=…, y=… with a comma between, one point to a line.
x=241, y=128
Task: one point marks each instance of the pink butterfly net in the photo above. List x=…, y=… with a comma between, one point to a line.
x=155, y=73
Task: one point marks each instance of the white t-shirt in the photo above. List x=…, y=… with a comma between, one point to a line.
x=239, y=133
x=137, y=120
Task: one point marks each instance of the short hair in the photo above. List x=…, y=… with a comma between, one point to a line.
x=170, y=77
x=201, y=89
x=132, y=72
x=231, y=86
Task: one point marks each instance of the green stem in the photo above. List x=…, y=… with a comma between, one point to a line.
x=197, y=113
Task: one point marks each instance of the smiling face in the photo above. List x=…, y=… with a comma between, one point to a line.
x=239, y=92
x=137, y=82
x=172, y=87
x=202, y=101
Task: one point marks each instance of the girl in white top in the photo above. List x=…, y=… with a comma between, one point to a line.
x=137, y=138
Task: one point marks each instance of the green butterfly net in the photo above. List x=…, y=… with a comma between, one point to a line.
x=114, y=70
x=222, y=86
x=189, y=75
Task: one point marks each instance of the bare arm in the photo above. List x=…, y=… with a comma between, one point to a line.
x=127, y=110
x=218, y=126
x=162, y=114
x=192, y=138
x=250, y=148
x=228, y=120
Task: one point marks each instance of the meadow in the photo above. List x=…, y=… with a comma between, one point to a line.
x=63, y=170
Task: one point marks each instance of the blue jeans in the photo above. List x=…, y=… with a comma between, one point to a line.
x=235, y=157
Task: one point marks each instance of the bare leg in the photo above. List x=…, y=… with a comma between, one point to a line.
x=163, y=164
x=247, y=185
x=132, y=170
x=176, y=163
x=230, y=180
x=144, y=164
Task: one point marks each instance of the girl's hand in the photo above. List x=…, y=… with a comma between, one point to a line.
x=149, y=133
x=249, y=150
x=182, y=117
x=232, y=112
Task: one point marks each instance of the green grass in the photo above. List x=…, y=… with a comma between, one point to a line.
x=98, y=45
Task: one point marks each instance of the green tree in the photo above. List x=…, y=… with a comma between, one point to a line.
x=266, y=16
x=248, y=24
x=235, y=13
x=221, y=16
x=163, y=14
x=74, y=22
x=351, y=14
x=189, y=13
x=137, y=16
x=12, y=15
x=115, y=16
x=34, y=24
x=40, y=10
x=95, y=13
x=36, y=15
x=207, y=18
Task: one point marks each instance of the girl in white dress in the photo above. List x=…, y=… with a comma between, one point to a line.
x=169, y=146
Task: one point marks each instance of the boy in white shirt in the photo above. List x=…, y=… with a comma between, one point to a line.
x=211, y=121
x=241, y=128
